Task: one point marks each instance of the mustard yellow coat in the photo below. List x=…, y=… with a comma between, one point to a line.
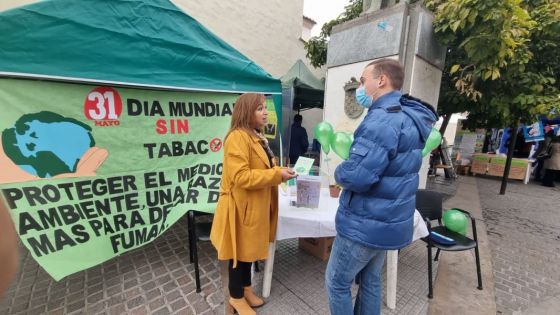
x=247, y=211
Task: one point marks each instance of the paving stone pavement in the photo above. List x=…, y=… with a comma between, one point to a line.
x=524, y=232
x=158, y=279
x=154, y=279
x=298, y=282
x=446, y=186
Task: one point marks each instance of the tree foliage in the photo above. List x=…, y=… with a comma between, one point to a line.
x=503, y=62
x=317, y=46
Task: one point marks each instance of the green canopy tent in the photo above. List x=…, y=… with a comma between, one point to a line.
x=307, y=91
x=137, y=43
x=144, y=51
x=301, y=90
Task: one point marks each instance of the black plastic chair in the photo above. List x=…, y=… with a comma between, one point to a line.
x=430, y=205
x=198, y=231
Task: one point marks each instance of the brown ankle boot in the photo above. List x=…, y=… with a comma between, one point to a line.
x=241, y=307
x=252, y=298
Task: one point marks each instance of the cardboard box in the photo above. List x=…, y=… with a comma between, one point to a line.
x=517, y=170
x=319, y=247
x=479, y=163
x=497, y=166
x=463, y=169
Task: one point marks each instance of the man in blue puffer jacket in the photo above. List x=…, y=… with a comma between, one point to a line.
x=379, y=180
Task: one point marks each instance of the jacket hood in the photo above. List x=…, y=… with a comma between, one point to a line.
x=422, y=113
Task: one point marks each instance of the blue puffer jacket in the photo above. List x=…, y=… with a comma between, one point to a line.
x=380, y=178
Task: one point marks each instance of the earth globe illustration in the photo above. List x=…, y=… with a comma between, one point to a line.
x=47, y=144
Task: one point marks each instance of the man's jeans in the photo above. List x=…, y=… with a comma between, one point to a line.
x=349, y=260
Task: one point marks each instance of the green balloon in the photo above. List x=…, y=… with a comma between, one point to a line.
x=433, y=141
x=455, y=221
x=324, y=134
x=341, y=144
x=351, y=135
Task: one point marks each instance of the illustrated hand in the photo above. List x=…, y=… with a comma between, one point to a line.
x=288, y=174
x=88, y=165
x=10, y=172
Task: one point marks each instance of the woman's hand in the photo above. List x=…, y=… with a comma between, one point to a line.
x=288, y=174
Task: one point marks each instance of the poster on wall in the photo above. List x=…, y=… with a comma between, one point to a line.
x=467, y=143
x=479, y=142
x=534, y=132
x=270, y=128
x=91, y=172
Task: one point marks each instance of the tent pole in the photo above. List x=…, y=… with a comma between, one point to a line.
x=281, y=151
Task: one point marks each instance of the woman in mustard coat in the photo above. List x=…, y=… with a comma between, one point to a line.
x=247, y=211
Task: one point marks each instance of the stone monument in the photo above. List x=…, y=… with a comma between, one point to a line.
x=399, y=31
x=403, y=32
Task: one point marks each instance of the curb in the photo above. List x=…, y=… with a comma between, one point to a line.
x=455, y=289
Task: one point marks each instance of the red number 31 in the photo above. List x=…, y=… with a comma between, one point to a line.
x=103, y=103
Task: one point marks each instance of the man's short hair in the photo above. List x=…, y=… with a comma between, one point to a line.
x=298, y=118
x=390, y=68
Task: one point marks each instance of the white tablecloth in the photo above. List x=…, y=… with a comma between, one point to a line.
x=306, y=222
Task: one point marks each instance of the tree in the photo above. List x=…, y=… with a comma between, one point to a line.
x=503, y=61
x=506, y=50
x=502, y=55
x=317, y=46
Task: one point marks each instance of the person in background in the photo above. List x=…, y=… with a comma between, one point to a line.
x=504, y=142
x=247, y=211
x=540, y=153
x=298, y=140
x=9, y=256
x=552, y=163
x=379, y=181
x=522, y=149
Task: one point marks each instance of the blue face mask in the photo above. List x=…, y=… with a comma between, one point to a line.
x=363, y=99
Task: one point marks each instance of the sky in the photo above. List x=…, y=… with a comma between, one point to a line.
x=322, y=11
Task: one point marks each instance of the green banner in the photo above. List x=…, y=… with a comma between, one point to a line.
x=519, y=163
x=90, y=172
x=481, y=158
x=514, y=162
x=498, y=161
